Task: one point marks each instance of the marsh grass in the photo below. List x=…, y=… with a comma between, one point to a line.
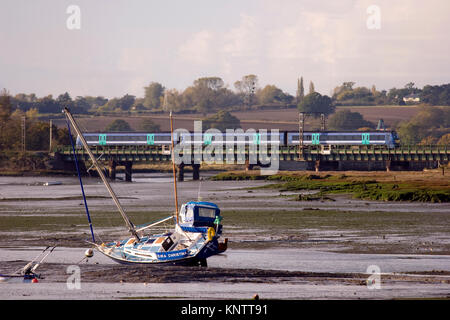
x=368, y=189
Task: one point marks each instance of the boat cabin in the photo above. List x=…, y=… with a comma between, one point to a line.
x=199, y=215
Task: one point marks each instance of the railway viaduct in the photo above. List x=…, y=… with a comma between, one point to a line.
x=290, y=158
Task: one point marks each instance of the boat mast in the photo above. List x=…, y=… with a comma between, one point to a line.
x=173, y=167
x=129, y=224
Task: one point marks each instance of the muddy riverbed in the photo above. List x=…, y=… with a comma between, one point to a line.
x=278, y=247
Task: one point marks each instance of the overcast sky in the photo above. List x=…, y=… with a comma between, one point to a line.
x=122, y=46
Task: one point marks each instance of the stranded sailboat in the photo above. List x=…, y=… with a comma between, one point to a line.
x=28, y=272
x=194, y=237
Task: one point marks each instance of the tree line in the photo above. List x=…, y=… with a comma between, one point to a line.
x=211, y=94
x=17, y=124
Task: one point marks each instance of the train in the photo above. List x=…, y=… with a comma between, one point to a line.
x=283, y=138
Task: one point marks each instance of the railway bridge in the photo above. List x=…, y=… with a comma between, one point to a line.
x=318, y=158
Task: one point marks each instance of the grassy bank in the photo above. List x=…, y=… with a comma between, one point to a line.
x=397, y=188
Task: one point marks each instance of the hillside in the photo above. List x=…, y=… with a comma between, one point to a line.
x=282, y=119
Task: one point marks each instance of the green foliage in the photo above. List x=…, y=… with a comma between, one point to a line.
x=119, y=125
x=149, y=126
x=118, y=104
x=311, y=88
x=347, y=120
x=271, y=94
x=5, y=106
x=153, y=95
x=370, y=189
x=436, y=95
x=430, y=122
x=444, y=140
x=222, y=120
x=316, y=103
x=300, y=90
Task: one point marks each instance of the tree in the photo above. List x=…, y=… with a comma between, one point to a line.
x=246, y=87
x=5, y=106
x=409, y=86
x=119, y=125
x=300, y=90
x=64, y=101
x=222, y=120
x=148, y=125
x=37, y=135
x=173, y=100
x=316, y=104
x=49, y=105
x=347, y=120
x=311, y=88
x=444, y=140
x=272, y=94
x=436, y=95
x=81, y=105
x=126, y=102
x=213, y=83
x=153, y=95
x=410, y=133
x=207, y=94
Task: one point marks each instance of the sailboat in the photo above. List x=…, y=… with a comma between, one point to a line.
x=28, y=272
x=193, y=238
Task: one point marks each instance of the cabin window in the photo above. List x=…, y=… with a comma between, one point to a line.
x=207, y=212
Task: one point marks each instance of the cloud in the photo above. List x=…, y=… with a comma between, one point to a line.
x=327, y=42
x=198, y=48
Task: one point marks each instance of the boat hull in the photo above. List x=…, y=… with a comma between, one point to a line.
x=209, y=249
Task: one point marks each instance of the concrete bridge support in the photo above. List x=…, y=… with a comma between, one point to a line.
x=112, y=170
x=195, y=172
x=180, y=173
x=128, y=171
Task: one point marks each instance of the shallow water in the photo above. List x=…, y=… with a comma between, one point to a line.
x=306, y=260
x=265, y=247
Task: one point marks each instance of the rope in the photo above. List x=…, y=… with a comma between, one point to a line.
x=81, y=182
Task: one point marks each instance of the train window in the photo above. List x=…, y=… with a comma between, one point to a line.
x=91, y=138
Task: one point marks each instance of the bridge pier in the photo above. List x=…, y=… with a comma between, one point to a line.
x=248, y=166
x=128, y=171
x=317, y=165
x=195, y=172
x=388, y=165
x=112, y=170
x=180, y=173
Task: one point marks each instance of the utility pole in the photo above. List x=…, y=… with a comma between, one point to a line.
x=50, y=142
x=23, y=134
x=301, y=129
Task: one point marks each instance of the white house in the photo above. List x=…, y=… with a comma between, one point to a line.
x=413, y=97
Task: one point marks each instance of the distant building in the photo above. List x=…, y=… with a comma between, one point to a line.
x=413, y=97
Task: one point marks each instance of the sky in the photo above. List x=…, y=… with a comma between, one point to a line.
x=122, y=46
